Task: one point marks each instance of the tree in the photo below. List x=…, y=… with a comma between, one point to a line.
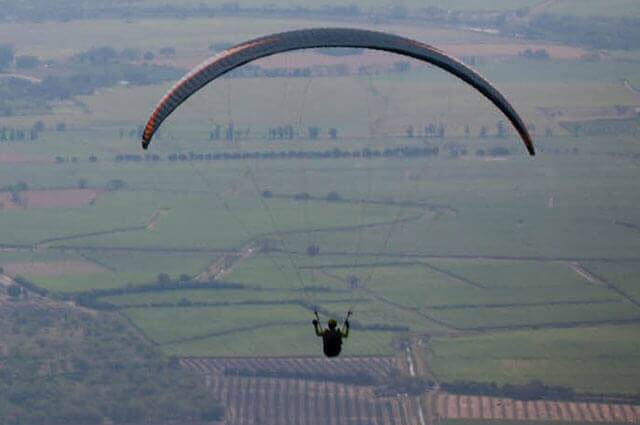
x=38, y=126
x=501, y=129
x=114, y=184
x=230, y=133
x=6, y=56
x=333, y=197
x=14, y=291
x=27, y=62
x=313, y=250
x=429, y=130
x=314, y=132
x=184, y=278
x=333, y=133
x=130, y=54
x=409, y=132
x=149, y=56
x=168, y=52
x=163, y=278
x=82, y=183
x=540, y=54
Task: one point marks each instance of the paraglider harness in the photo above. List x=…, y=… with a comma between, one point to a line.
x=332, y=336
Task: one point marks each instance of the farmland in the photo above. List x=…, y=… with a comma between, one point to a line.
x=247, y=385
x=487, y=265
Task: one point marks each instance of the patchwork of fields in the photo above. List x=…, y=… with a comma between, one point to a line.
x=504, y=268
x=496, y=409
x=245, y=387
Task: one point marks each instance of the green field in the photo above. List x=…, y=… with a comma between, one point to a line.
x=480, y=254
x=124, y=270
x=625, y=276
x=567, y=357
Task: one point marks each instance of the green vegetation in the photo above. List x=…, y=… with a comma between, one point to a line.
x=576, y=358
x=625, y=276
x=77, y=368
x=120, y=270
x=280, y=340
x=168, y=325
x=433, y=246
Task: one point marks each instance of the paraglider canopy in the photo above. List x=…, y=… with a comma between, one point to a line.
x=249, y=51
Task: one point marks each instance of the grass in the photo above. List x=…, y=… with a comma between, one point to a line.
x=111, y=211
x=220, y=296
x=281, y=341
x=625, y=276
x=422, y=287
x=599, y=359
x=538, y=316
x=165, y=325
x=497, y=303
x=211, y=225
x=124, y=270
x=523, y=275
x=23, y=256
x=495, y=226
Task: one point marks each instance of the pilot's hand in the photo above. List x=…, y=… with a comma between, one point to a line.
x=315, y=322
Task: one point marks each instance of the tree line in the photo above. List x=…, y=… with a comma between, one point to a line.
x=11, y=134
x=366, y=153
x=91, y=298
